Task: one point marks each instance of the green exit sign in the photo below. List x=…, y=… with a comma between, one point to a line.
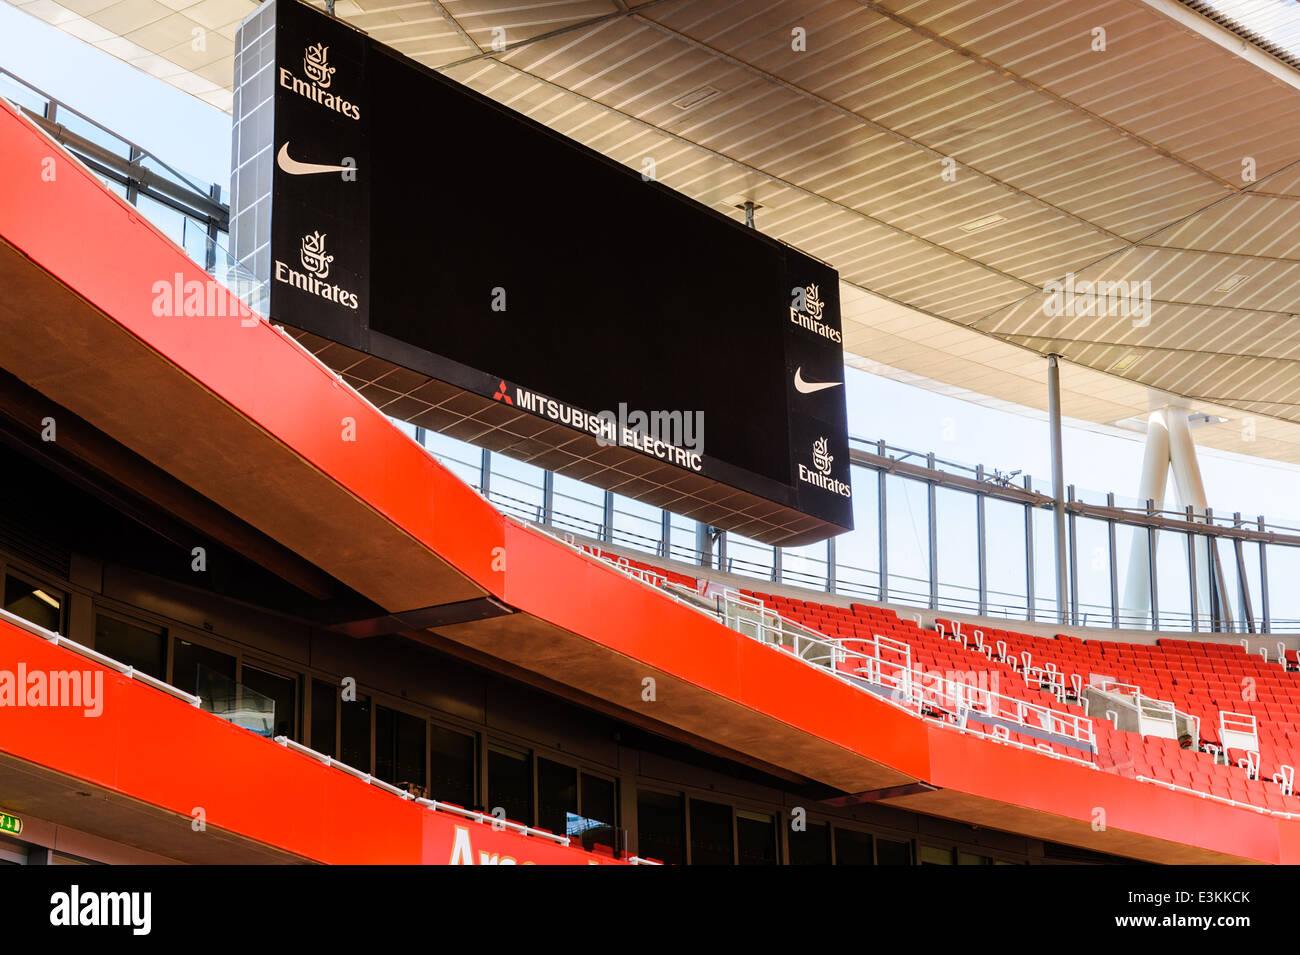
x=10, y=824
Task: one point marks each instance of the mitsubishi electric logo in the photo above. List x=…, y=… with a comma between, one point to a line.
x=819, y=474
x=316, y=264
x=315, y=64
x=806, y=308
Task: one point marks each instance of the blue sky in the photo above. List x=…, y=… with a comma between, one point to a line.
x=194, y=138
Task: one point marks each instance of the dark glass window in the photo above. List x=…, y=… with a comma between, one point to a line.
x=510, y=784
x=557, y=795
x=452, y=767
x=661, y=827
x=932, y=856
x=711, y=834
x=135, y=645
x=972, y=858
x=596, y=825
x=42, y=606
x=399, y=748
x=812, y=846
x=892, y=852
x=283, y=690
x=355, y=735
x=324, y=717
x=853, y=847
x=190, y=656
x=755, y=838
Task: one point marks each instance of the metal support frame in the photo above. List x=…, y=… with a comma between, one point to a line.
x=548, y=498
x=666, y=533
x=485, y=473
x=1058, y=478
x=1243, y=585
x=607, y=519
x=1153, y=588
x=776, y=564
x=830, y=565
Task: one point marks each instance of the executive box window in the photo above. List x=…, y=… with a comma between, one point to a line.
x=853, y=847
x=599, y=813
x=324, y=718
x=399, y=747
x=42, y=606
x=355, y=735
x=510, y=783
x=973, y=858
x=712, y=840
x=193, y=663
x=811, y=845
x=283, y=691
x=661, y=826
x=755, y=837
x=135, y=644
x=893, y=852
x=452, y=767
x=930, y=855
x=557, y=795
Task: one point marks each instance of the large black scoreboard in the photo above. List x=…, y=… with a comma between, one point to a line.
x=478, y=274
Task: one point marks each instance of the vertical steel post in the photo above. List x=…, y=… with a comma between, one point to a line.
x=1058, y=478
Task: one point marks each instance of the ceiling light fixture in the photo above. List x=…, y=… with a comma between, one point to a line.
x=696, y=97
x=1125, y=363
x=984, y=223
x=1229, y=284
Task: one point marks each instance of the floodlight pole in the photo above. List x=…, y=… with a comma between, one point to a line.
x=1058, y=481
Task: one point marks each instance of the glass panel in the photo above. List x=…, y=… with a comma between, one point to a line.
x=683, y=539
x=355, y=732
x=853, y=847
x=1044, y=564
x=712, y=842
x=190, y=656
x=812, y=846
x=234, y=702
x=399, y=749
x=516, y=487
x=462, y=459
x=971, y=858
x=510, y=784
x=1005, y=529
x=1173, y=587
x=1134, y=577
x=909, y=541
x=857, y=555
x=1283, y=594
x=452, y=766
x=661, y=827
x=39, y=605
x=755, y=838
x=958, y=539
x=748, y=557
x=557, y=795
x=804, y=566
x=891, y=852
x=581, y=508
x=324, y=717
x=283, y=691
x=1092, y=566
x=637, y=524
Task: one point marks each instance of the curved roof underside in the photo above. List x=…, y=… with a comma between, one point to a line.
x=1170, y=157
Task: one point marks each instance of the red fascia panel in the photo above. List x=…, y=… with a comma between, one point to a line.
x=586, y=596
x=163, y=751
x=106, y=252
x=1023, y=778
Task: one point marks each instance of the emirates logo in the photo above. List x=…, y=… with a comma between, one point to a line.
x=313, y=256
x=316, y=65
x=821, y=458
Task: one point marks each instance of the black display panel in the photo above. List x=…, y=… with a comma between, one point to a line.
x=415, y=220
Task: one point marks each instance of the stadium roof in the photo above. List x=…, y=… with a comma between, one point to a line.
x=1171, y=156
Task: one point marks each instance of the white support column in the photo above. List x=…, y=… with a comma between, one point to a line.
x=1155, y=472
x=1191, y=492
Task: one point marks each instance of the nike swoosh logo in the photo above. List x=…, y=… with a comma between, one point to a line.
x=295, y=168
x=808, y=388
